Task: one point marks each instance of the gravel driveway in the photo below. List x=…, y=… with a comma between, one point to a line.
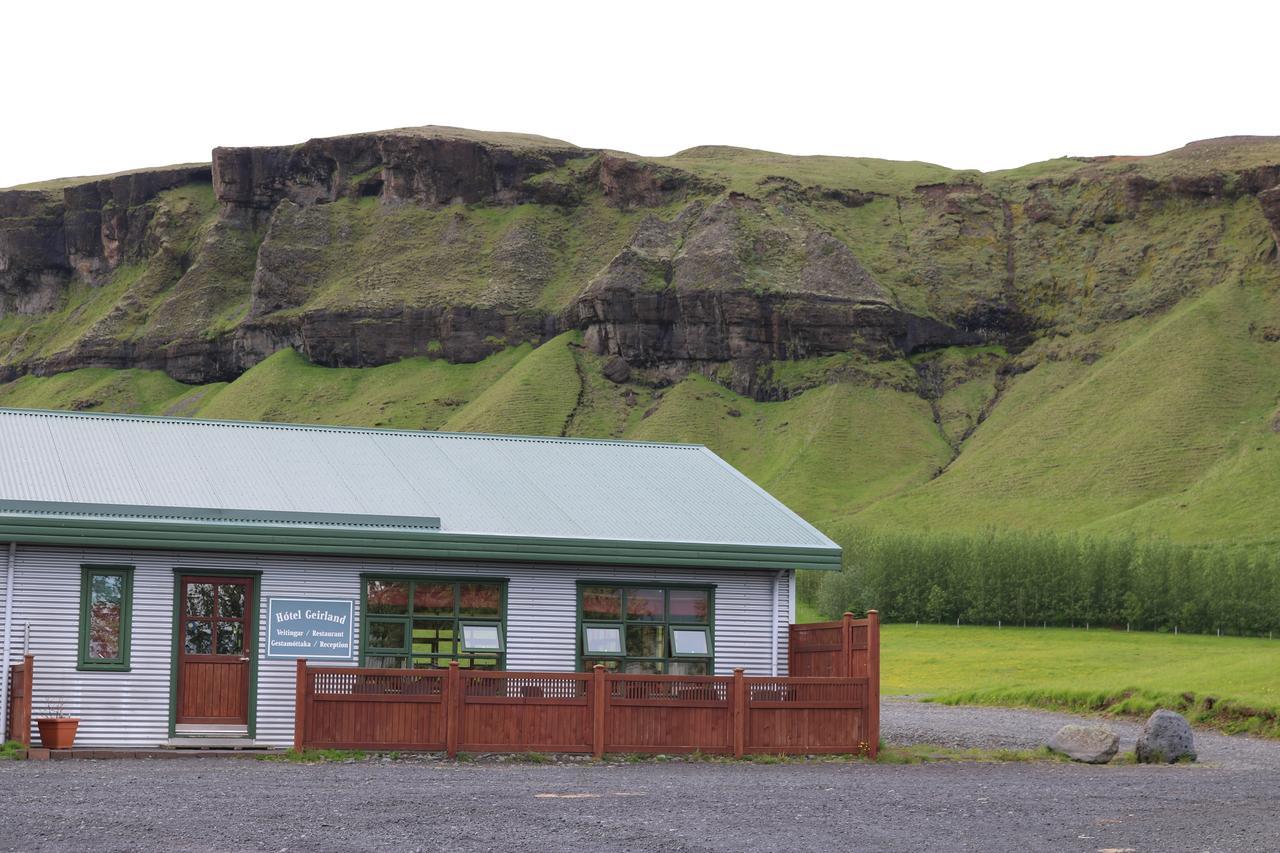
x=904, y=722
x=1230, y=803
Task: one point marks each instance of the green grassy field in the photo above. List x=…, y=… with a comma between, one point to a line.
x=1231, y=683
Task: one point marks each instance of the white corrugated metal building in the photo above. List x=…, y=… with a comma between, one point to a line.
x=166, y=574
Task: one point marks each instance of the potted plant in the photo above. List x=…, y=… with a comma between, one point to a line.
x=57, y=729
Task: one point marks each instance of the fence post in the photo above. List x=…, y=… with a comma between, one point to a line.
x=739, y=705
x=846, y=645
x=873, y=681
x=597, y=710
x=300, y=694
x=452, y=700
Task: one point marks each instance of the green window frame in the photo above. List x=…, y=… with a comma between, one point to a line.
x=419, y=620
x=613, y=626
x=645, y=622
x=102, y=647
x=673, y=648
x=464, y=624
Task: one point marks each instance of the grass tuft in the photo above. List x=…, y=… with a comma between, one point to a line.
x=317, y=756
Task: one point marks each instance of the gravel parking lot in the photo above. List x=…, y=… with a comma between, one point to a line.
x=1230, y=802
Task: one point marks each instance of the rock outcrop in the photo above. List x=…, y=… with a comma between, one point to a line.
x=364, y=249
x=1087, y=744
x=424, y=165
x=698, y=290
x=1166, y=738
x=81, y=232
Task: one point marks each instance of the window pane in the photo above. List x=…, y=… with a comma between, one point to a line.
x=601, y=602
x=386, y=635
x=432, y=599
x=645, y=604
x=689, y=605
x=602, y=641
x=646, y=641
x=106, y=592
x=385, y=662
x=481, y=638
x=480, y=599
x=610, y=664
x=688, y=667
x=433, y=637
x=645, y=667
x=231, y=601
x=431, y=663
x=230, y=638
x=199, y=599
x=481, y=663
x=387, y=597
x=199, y=638
x=688, y=641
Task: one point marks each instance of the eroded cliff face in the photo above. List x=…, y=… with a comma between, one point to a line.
x=411, y=165
x=83, y=231
x=365, y=249
x=695, y=291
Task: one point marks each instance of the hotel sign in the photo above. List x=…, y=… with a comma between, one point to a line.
x=313, y=628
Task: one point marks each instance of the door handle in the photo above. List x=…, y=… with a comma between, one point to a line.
x=244, y=659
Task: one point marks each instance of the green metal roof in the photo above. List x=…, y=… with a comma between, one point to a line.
x=128, y=480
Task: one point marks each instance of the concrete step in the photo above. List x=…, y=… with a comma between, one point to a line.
x=212, y=742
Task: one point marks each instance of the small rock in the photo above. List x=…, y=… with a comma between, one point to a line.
x=1090, y=744
x=616, y=369
x=1166, y=737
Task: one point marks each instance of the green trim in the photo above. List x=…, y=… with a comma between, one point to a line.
x=234, y=537
x=464, y=624
x=457, y=618
x=672, y=651
x=121, y=663
x=251, y=630
x=612, y=626
x=173, y=653
x=665, y=623
x=213, y=515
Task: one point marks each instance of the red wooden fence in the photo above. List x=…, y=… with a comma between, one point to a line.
x=592, y=712
x=18, y=718
x=848, y=648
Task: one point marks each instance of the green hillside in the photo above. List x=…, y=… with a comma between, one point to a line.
x=1172, y=431
x=1085, y=345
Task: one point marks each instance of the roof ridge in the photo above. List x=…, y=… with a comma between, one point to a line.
x=285, y=425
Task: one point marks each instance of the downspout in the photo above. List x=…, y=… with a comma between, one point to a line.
x=8, y=641
x=773, y=626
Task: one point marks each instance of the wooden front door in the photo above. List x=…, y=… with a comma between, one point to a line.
x=215, y=650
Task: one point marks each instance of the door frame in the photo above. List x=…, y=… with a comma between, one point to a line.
x=251, y=629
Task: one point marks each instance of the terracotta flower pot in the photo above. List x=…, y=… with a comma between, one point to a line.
x=58, y=732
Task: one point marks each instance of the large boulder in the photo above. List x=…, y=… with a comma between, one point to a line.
x=1166, y=738
x=1090, y=744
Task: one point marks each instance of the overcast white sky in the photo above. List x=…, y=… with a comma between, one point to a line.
x=99, y=87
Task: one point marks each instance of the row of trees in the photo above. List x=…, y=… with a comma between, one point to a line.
x=1058, y=579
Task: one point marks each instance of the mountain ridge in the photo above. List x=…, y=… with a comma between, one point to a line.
x=853, y=333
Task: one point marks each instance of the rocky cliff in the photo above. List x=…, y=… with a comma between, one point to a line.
x=366, y=249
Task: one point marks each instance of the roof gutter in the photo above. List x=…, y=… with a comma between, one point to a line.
x=8, y=640
x=381, y=542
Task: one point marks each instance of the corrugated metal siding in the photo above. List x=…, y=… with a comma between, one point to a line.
x=132, y=709
x=498, y=485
